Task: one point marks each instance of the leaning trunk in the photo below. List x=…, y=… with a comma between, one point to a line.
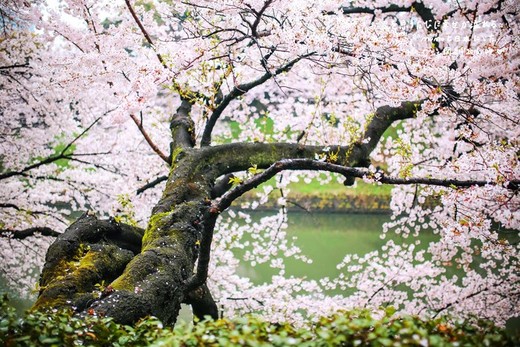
x=105, y=268
x=154, y=274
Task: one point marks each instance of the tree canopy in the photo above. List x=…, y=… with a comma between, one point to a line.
x=162, y=113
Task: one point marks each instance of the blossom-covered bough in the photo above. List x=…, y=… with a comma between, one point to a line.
x=113, y=106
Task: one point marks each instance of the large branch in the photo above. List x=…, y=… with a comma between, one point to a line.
x=383, y=119
x=258, y=15
x=182, y=126
x=89, y=252
x=378, y=177
x=236, y=157
x=202, y=303
x=239, y=91
x=276, y=157
x=227, y=199
x=200, y=276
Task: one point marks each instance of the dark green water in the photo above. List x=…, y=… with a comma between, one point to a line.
x=327, y=237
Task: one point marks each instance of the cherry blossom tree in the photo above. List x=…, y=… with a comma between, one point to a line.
x=162, y=113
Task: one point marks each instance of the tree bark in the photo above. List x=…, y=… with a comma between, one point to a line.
x=145, y=271
x=89, y=252
x=107, y=268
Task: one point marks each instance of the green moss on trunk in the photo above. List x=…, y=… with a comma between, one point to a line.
x=73, y=282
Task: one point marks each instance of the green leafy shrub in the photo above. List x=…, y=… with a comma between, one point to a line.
x=352, y=328
x=61, y=328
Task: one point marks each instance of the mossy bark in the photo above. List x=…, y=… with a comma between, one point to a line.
x=106, y=268
x=90, y=253
x=145, y=278
x=154, y=280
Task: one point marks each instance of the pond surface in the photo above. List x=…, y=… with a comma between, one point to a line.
x=326, y=238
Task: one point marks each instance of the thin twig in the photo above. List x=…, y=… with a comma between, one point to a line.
x=149, y=140
x=152, y=184
x=143, y=30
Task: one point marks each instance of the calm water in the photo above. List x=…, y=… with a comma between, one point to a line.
x=326, y=238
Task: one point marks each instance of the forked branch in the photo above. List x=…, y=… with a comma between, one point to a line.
x=377, y=177
x=237, y=157
x=240, y=90
x=227, y=199
x=64, y=154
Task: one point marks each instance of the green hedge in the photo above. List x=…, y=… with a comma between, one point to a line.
x=353, y=328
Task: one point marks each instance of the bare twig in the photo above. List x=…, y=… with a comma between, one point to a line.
x=152, y=145
x=22, y=234
x=143, y=30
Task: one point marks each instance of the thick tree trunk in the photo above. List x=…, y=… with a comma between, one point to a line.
x=91, y=252
x=150, y=277
x=143, y=276
x=105, y=268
